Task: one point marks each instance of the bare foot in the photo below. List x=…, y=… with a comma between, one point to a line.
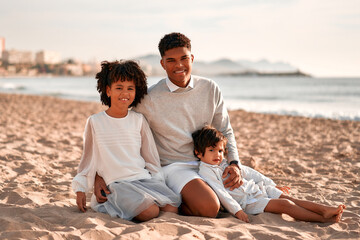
x=338, y=217
x=334, y=219
x=331, y=212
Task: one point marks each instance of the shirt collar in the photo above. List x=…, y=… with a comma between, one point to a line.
x=209, y=165
x=222, y=165
x=172, y=87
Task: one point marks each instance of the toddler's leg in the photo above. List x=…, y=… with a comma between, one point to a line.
x=148, y=214
x=323, y=210
x=282, y=205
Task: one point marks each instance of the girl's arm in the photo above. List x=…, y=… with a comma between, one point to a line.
x=81, y=201
x=84, y=180
x=225, y=198
x=149, y=151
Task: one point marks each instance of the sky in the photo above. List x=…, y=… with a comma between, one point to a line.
x=320, y=37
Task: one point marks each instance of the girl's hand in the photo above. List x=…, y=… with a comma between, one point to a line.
x=81, y=201
x=284, y=189
x=242, y=216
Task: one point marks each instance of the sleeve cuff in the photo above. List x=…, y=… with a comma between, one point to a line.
x=79, y=184
x=234, y=162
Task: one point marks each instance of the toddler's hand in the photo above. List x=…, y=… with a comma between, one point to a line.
x=81, y=201
x=242, y=216
x=284, y=189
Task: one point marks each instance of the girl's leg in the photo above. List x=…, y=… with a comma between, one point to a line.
x=169, y=208
x=283, y=205
x=323, y=210
x=148, y=214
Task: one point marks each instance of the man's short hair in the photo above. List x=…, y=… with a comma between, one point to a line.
x=173, y=40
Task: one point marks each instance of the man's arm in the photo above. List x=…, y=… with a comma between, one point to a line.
x=221, y=121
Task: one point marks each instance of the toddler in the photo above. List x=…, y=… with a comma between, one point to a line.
x=257, y=193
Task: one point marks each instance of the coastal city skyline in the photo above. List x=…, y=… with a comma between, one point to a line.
x=320, y=38
x=14, y=62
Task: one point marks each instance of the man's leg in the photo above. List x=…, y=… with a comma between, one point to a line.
x=198, y=199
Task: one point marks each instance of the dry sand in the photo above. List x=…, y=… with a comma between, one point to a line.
x=41, y=144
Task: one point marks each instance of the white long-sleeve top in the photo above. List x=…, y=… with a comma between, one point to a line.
x=237, y=199
x=117, y=149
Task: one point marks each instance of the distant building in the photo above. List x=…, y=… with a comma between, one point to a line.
x=74, y=69
x=2, y=46
x=47, y=57
x=15, y=56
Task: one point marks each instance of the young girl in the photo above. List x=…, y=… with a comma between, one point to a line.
x=119, y=146
x=257, y=193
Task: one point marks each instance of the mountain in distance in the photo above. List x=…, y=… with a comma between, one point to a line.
x=151, y=65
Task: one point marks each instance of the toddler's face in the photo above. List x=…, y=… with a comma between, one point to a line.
x=213, y=155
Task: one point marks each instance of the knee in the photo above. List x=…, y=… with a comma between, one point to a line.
x=209, y=208
x=148, y=214
x=286, y=203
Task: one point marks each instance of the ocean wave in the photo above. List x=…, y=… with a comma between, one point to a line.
x=334, y=116
x=311, y=113
x=11, y=86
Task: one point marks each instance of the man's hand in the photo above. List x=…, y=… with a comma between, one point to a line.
x=81, y=201
x=235, y=179
x=99, y=186
x=242, y=216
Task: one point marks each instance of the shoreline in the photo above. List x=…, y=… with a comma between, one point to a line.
x=41, y=146
x=87, y=100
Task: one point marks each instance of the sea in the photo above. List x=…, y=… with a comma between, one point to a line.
x=332, y=98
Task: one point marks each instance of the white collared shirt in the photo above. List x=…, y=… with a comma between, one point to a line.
x=172, y=87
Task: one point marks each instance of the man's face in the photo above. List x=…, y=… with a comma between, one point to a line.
x=177, y=63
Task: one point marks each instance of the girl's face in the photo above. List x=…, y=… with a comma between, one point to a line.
x=122, y=94
x=213, y=155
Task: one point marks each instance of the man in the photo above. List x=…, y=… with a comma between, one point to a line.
x=176, y=107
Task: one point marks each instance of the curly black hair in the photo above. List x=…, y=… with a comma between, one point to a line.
x=123, y=70
x=173, y=40
x=208, y=136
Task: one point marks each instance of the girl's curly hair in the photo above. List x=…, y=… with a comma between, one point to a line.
x=123, y=70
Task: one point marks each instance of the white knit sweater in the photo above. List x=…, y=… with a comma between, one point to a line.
x=174, y=116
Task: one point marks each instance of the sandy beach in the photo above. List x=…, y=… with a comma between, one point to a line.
x=41, y=145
